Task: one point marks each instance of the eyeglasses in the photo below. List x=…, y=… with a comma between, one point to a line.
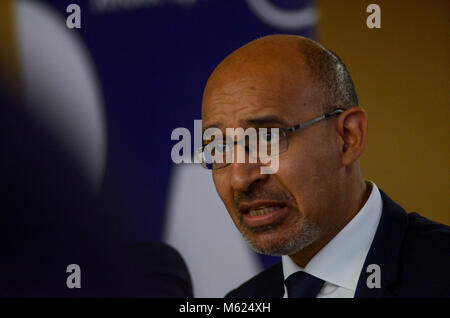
x=272, y=142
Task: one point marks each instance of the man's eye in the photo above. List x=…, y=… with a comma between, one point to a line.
x=268, y=136
x=220, y=148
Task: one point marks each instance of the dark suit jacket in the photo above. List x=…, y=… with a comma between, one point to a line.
x=413, y=254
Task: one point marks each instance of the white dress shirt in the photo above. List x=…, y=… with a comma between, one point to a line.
x=340, y=262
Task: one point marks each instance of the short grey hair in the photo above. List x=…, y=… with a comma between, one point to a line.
x=331, y=75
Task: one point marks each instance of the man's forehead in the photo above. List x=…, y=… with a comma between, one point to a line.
x=234, y=90
x=251, y=103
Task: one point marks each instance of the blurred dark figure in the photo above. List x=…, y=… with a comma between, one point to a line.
x=49, y=219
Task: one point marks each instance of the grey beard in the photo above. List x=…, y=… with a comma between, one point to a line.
x=301, y=238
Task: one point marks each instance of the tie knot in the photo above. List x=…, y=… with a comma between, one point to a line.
x=303, y=285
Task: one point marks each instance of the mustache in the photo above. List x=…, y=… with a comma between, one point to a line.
x=261, y=194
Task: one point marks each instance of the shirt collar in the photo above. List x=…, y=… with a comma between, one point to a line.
x=340, y=261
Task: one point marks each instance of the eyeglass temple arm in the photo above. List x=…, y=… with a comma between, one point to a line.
x=314, y=120
x=334, y=112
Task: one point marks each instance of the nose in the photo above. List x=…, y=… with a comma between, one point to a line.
x=244, y=175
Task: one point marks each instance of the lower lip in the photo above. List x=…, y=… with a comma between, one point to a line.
x=264, y=220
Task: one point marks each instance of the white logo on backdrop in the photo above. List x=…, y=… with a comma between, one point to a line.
x=102, y=6
x=281, y=18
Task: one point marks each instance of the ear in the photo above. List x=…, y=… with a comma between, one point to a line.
x=352, y=127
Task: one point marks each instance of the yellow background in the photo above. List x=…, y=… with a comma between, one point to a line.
x=401, y=74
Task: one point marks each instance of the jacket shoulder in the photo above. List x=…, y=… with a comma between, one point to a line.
x=268, y=283
x=426, y=258
x=427, y=236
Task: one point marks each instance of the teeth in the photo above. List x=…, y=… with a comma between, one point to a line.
x=262, y=211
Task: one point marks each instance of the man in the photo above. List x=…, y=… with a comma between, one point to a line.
x=338, y=235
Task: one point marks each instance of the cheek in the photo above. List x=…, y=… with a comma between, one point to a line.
x=296, y=175
x=223, y=189
x=305, y=176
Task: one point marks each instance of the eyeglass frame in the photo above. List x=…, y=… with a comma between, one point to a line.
x=287, y=130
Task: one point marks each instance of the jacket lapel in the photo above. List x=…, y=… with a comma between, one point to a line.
x=385, y=250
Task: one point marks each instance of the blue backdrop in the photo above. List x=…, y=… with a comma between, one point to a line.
x=153, y=59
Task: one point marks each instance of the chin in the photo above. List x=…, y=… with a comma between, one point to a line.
x=278, y=242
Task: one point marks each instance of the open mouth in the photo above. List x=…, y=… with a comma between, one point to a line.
x=262, y=211
x=262, y=214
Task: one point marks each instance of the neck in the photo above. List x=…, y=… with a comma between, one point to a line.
x=356, y=198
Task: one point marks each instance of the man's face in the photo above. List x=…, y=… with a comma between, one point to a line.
x=284, y=212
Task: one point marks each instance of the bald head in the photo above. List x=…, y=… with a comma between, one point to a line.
x=294, y=58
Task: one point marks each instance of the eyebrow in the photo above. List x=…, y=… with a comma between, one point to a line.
x=213, y=125
x=257, y=121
